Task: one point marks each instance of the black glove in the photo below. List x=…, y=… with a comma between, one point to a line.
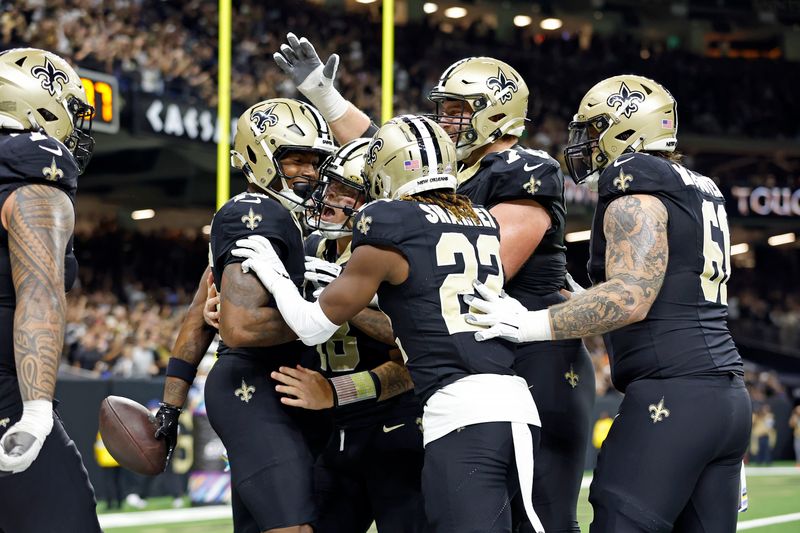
x=167, y=418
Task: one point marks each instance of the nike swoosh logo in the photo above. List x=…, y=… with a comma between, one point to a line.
x=256, y=201
x=526, y=168
x=619, y=162
x=392, y=428
x=57, y=150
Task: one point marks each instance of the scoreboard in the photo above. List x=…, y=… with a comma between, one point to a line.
x=102, y=93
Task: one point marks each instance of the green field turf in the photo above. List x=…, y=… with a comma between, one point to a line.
x=769, y=496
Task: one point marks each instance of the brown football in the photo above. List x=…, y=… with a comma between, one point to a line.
x=128, y=431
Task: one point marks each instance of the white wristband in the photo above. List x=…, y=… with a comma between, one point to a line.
x=323, y=95
x=37, y=418
x=535, y=326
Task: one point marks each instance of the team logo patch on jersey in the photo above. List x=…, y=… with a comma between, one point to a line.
x=503, y=87
x=53, y=80
x=4, y=422
x=363, y=224
x=245, y=392
x=626, y=101
x=533, y=186
x=52, y=173
x=372, y=151
x=623, y=181
x=260, y=119
x=572, y=378
x=251, y=220
x=658, y=412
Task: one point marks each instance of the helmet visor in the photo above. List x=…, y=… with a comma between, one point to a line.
x=582, y=154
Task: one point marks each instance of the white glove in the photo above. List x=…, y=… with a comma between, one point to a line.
x=506, y=317
x=573, y=285
x=320, y=272
x=263, y=261
x=21, y=444
x=301, y=62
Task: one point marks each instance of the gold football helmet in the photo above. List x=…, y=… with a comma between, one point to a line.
x=266, y=132
x=408, y=155
x=340, y=190
x=41, y=91
x=620, y=115
x=497, y=95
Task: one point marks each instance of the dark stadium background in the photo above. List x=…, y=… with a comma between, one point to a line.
x=150, y=190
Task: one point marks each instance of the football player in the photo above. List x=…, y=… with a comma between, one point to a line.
x=279, y=146
x=482, y=103
x=45, y=143
x=417, y=247
x=660, y=259
x=371, y=467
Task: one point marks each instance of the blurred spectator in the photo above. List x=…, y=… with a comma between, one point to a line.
x=794, y=423
x=763, y=435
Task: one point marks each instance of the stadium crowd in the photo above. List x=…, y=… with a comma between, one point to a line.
x=170, y=48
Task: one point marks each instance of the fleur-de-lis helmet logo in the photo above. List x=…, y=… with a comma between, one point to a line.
x=502, y=86
x=260, y=119
x=53, y=80
x=626, y=101
x=372, y=151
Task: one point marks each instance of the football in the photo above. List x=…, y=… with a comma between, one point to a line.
x=128, y=431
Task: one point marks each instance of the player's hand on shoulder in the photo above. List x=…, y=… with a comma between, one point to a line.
x=21, y=444
x=167, y=430
x=300, y=61
x=303, y=388
x=261, y=258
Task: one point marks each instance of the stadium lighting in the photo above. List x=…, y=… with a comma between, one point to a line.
x=521, y=21
x=365, y=1
x=741, y=248
x=551, y=24
x=783, y=238
x=143, y=214
x=430, y=7
x=578, y=236
x=455, y=12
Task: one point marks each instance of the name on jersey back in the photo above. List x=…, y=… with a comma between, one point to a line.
x=436, y=215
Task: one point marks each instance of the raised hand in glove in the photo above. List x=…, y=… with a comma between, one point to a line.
x=300, y=61
x=21, y=444
x=167, y=430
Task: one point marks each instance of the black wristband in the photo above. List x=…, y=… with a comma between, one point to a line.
x=178, y=368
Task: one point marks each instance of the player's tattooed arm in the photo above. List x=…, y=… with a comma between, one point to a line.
x=375, y=324
x=39, y=226
x=244, y=321
x=193, y=341
x=394, y=376
x=635, y=228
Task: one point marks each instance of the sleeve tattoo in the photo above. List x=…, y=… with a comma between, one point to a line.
x=394, y=378
x=375, y=324
x=637, y=251
x=39, y=228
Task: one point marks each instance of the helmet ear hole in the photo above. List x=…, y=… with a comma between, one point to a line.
x=625, y=135
x=251, y=155
x=47, y=115
x=498, y=117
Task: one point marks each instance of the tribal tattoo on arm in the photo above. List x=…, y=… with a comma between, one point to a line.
x=394, y=377
x=245, y=321
x=637, y=251
x=39, y=228
x=375, y=324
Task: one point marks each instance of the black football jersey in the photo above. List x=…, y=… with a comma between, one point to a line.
x=524, y=174
x=350, y=350
x=257, y=214
x=686, y=331
x=27, y=158
x=427, y=311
